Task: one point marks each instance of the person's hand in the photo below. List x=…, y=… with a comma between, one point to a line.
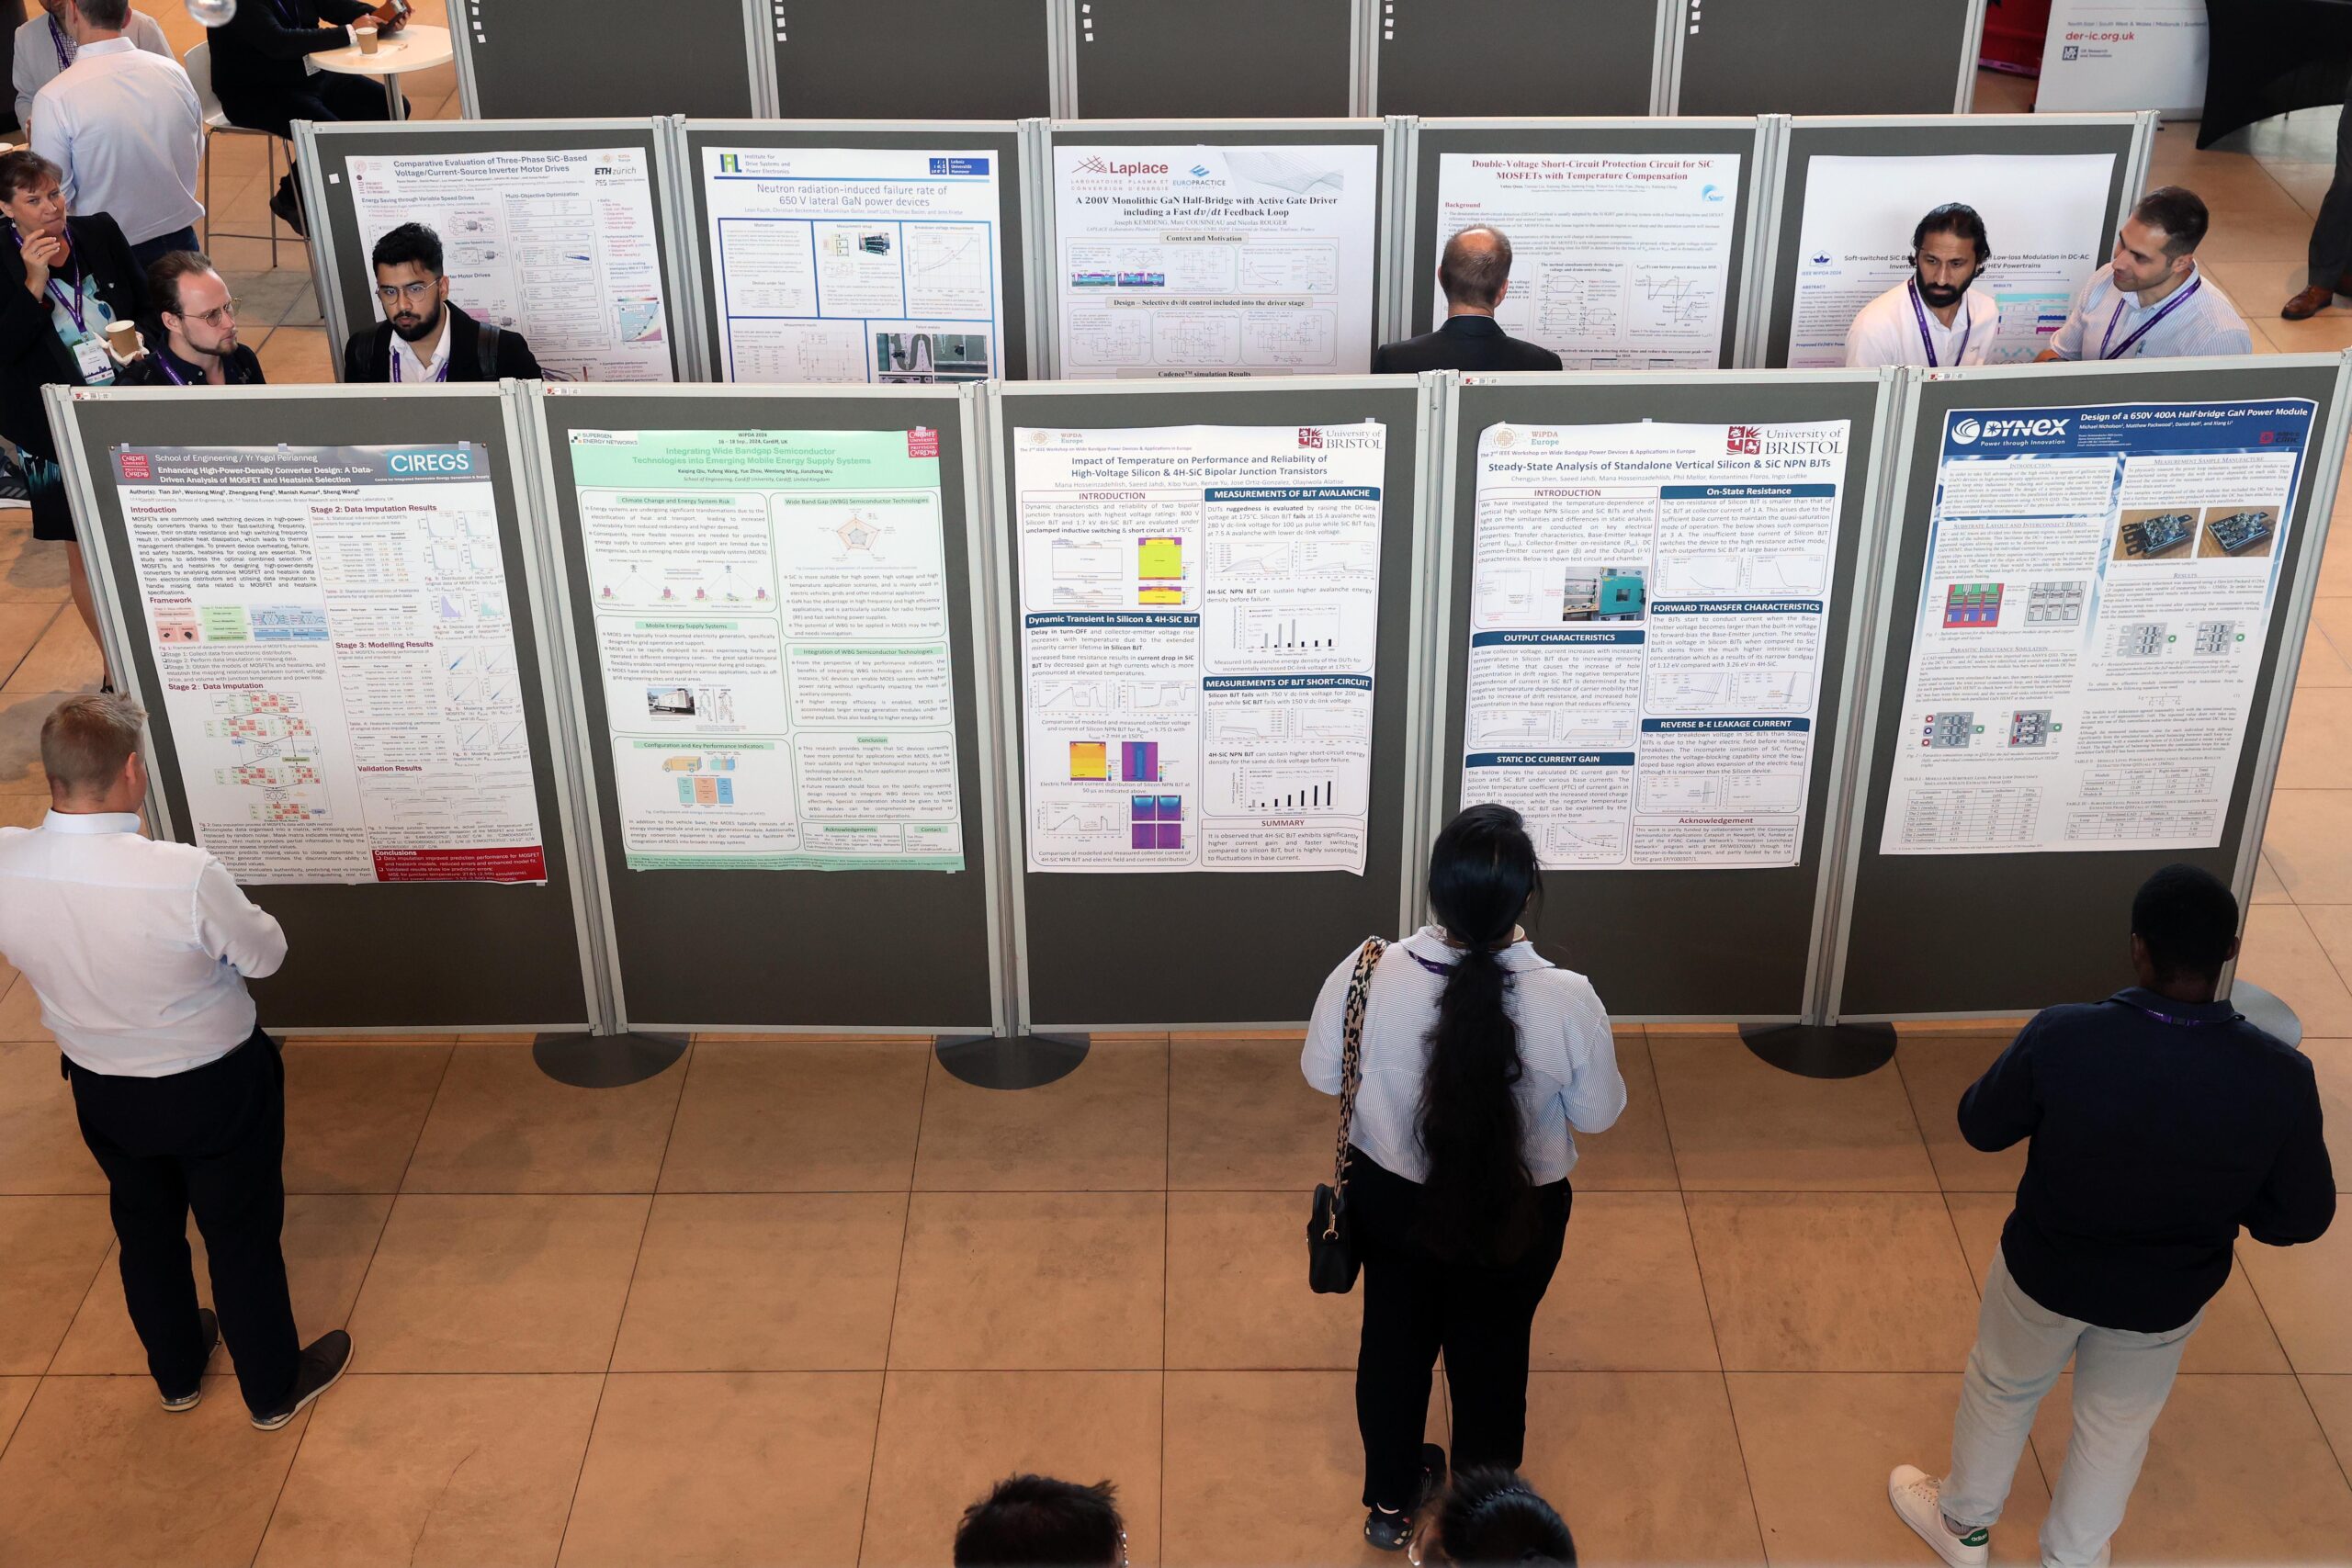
x=138, y=352
x=42, y=253
x=390, y=18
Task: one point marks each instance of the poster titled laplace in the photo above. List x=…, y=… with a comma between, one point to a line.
x=333, y=635
x=2092, y=617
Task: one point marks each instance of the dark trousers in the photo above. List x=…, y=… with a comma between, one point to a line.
x=323, y=96
x=145, y=252
x=2331, y=254
x=1415, y=1303
x=212, y=1139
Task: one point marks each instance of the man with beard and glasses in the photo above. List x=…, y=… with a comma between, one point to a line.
x=194, y=334
x=2151, y=301
x=1932, y=318
x=424, y=338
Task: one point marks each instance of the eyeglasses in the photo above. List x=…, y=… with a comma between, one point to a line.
x=221, y=315
x=393, y=293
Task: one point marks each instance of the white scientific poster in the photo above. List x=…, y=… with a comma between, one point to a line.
x=2092, y=616
x=2044, y=216
x=1619, y=261
x=560, y=246
x=1649, y=604
x=1199, y=621
x=2125, y=54
x=847, y=264
x=331, y=630
x=770, y=614
x=1216, y=261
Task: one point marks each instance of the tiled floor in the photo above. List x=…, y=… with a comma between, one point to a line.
x=797, y=1303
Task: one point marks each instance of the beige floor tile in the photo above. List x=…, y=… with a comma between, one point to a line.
x=1241, y=1117
x=40, y=1143
x=2237, y=1471
x=328, y=1241
x=2308, y=842
x=946, y=1437
x=2235, y=1338
x=498, y=1284
x=695, y=1468
x=1263, y=1468
x=20, y=1015
x=2330, y=1399
x=2257, y=287
x=32, y=571
x=21, y=721
x=1626, y=1295
x=2332, y=618
x=2282, y=953
x=1819, y=1448
x=2267, y=888
x=1103, y=1128
x=1637, y=1154
x=1741, y=1125
x=291, y=355
x=804, y=1283
x=21, y=625
x=2318, y=753
x=1937, y=1070
x=1638, y=1463
x=784, y=1117
x=1863, y=1281
x=2307, y=182
x=2332, y=1065
x=53, y=1249
x=2321, y=665
x=96, y=1475
x=434, y=1472
x=352, y=1113
x=500, y=1124
x=1021, y=1282
x=1237, y=1287
x=64, y=660
x=15, y=1394
x=2330, y=332
x=2305, y=1290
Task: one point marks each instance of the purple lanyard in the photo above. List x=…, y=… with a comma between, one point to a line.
x=440, y=374
x=163, y=363
x=63, y=45
x=1919, y=315
x=75, y=306
x=2175, y=303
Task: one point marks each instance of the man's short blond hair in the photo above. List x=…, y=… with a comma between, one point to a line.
x=86, y=740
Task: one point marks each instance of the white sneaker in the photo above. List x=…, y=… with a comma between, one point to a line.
x=1914, y=1495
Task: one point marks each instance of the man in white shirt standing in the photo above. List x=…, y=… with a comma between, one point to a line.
x=2151, y=301
x=126, y=128
x=44, y=48
x=1934, y=316
x=138, y=952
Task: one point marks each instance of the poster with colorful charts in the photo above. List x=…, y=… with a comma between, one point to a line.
x=771, y=618
x=1199, y=617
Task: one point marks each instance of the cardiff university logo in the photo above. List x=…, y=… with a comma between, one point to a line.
x=1744, y=440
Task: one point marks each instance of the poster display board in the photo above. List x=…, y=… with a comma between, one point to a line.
x=1518, y=57
x=771, y=615
x=1199, y=632
x=2096, y=600
x=1649, y=605
x=1229, y=59
x=1245, y=256
x=538, y=58
x=1826, y=56
x=944, y=59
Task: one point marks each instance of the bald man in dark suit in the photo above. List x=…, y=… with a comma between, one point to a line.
x=1475, y=272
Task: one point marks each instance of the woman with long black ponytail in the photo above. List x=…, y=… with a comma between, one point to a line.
x=1478, y=1056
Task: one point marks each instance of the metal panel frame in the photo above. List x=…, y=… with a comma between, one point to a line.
x=764, y=31
x=1972, y=40
x=976, y=519
x=1665, y=83
x=461, y=33
x=82, y=493
x=1007, y=632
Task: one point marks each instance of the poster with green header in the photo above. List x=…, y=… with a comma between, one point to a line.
x=770, y=614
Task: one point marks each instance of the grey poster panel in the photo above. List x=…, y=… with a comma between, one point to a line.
x=1825, y=56
x=2013, y=136
x=1226, y=59
x=901, y=59
x=1001, y=142
x=424, y=955
x=338, y=144
x=1211, y=948
x=547, y=59
x=1713, y=943
x=1517, y=57
x=2012, y=933
x=1657, y=137
x=788, y=949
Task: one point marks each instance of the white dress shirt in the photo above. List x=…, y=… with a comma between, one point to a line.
x=126, y=127
x=1886, y=332
x=416, y=372
x=2102, y=320
x=37, y=64
x=1565, y=1046
x=138, y=950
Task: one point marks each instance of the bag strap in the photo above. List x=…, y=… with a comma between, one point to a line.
x=486, y=350
x=1352, y=1053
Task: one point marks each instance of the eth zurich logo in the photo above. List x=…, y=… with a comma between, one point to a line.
x=1965, y=433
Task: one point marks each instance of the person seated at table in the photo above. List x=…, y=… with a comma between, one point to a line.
x=1933, y=318
x=2151, y=301
x=422, y=337
x=258, y=73
x=193, y=337
x=44, y=47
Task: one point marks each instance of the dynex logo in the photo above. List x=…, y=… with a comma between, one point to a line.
x=1968, y=431
x=1101, y=167
x=432, y=461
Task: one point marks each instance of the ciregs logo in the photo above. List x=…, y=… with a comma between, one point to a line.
x=1969, y=431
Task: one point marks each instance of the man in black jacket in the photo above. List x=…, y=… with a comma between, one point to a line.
x=422, y=337
x=1475, y=272
x=258, y=75
x=192, y=341
x=2161, y=1121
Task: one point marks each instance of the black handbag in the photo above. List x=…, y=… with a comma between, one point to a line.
x=1332, y=1262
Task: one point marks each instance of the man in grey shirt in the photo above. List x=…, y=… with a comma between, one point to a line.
x=44, y=47
x=2151, y=301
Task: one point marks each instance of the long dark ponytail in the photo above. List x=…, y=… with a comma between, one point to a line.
x=1479, y=1199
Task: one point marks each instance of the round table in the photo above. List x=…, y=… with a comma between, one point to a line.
x=414, y=48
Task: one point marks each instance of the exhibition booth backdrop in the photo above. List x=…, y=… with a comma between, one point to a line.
x=1015, y=708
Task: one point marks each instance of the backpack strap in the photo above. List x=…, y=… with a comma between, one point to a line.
x=486, y=349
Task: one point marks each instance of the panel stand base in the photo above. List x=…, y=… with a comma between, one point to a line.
x=606, y=1061
x=1012, y=1061
x=1821, y=1050
x=2267, y=1011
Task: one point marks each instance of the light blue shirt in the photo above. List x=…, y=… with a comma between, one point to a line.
x=2204, y=323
